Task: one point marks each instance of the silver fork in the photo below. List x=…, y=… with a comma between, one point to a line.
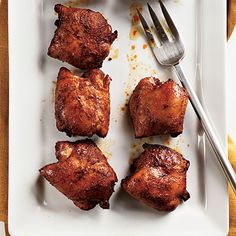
x=170, y=53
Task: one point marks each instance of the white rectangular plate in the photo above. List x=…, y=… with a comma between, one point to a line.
x=35, y=207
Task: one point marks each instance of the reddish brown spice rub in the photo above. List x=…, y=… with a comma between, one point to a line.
x=83, y=37
x=158, y=178
x=157, y=108
x=82, y=174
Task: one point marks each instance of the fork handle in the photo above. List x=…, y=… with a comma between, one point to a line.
x=211, y=135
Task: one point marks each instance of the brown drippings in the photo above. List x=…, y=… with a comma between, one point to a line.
x=114, y=54
x=135, y=19
x=136, y=148
x=105, y=146
x=177, y=1
x=127, y=94
x=152, y=42
x=54, y=83
x=177, y=145
x=137, y=71
x=134, y=34
x=132, y=57
x=177, y=149
x=124, y=108
x=137, y=68
x=76, y=3
x=166, y=139
x=132, y=47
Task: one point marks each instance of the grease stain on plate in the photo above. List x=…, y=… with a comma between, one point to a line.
x=105, y=146
x=177, y=1
x=124, y=107
x=114, y=54
x=174, y=143
x=178, y=144
x=134, y=18
x=53, y=91
x=177, y=149
x=166, y=139
x=133, y=47
x=136, y=147
x=144, y=46
x=137, y=71
x=76, y=3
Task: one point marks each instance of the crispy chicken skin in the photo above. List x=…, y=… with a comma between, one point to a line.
x=82, y=104
x=158, y=178
x=157, y=108
x=83, y=37
x=82, y=174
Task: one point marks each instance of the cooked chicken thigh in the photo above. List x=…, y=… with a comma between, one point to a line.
x=83, y=37
x=157, y=108
x=82, y=104
x=158, y=178
x=82, y=174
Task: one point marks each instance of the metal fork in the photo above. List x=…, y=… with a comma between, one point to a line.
x=170, y=53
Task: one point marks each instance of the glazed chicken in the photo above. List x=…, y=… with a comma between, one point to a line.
x=83, y=37
x=157, y=108
x=82, y=174
x=158, y=178
x=82, y=104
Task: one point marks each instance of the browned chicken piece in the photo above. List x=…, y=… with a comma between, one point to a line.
x=82, y=174
x=157, y=108
x=82, y=104
x=83, y=37
x=158, y=178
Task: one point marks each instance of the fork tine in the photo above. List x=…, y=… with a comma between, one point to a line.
x=169, y=21
x=160, y=31
x=147, y=30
